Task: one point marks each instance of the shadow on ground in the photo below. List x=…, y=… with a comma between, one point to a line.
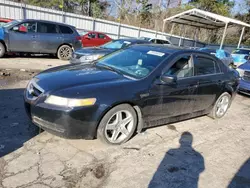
x=15, y=127
x=27, y=55
x=242, y=177
x=181, y=167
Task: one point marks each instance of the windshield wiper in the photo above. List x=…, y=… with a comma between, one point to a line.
x=110, y=68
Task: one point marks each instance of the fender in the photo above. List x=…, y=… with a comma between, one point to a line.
x=1, y=34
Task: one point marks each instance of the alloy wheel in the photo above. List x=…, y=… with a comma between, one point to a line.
x=65, y=52
x=119, y=126
x=222, y=106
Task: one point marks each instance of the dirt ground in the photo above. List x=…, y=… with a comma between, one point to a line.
x=195, y=153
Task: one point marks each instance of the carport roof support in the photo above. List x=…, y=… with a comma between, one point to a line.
x=203, y=19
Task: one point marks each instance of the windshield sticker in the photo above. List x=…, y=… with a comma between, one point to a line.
x=160, y=54
x=139, y=62
x=126, y=42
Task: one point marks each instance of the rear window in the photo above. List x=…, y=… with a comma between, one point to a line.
x=205, y=66
x=241, y=51
x=65, y=29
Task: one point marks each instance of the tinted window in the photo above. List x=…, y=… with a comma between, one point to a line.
x=204, y=66
x=241, y=51
x=181, y=68
x=46, y=28
x=65, y=29
x=137, y=62
x=91, y=35
x=101, y=36
x=159, y=41
x=165, y=42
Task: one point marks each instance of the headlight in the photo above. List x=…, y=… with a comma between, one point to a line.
x=61, y=101
x=241, y=72
x=89, y=58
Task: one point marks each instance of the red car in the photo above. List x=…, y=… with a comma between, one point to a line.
x=94, y=39
x=4, y=21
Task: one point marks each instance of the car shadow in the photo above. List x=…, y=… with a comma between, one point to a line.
x=25, y=55
x=15, y=127
x=180, y=167
x=242, y=177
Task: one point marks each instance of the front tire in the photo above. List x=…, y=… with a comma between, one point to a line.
x=221, y=106
x=2, y=50
x=118, y=125
x=64, y=52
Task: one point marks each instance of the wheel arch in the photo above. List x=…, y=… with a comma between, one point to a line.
x=4, y=44
x=62, y=45
x=138, y=111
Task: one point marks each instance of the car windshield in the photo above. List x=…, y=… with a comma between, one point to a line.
x=241, y=51
x=10, y=23
x=136, y=62
x=116, y=44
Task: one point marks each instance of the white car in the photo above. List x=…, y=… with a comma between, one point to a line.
x=157, y=41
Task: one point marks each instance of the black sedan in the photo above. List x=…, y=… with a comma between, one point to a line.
x=129, y=90
x=89, y=54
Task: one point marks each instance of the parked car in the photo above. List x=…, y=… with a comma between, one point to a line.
x=94, y=39
x=3, y=21
x=86, y=55
x=240, y=56
x=223, y=55
x=37, y=36
x=244, y=71
x=129, y=90
x=156, y=41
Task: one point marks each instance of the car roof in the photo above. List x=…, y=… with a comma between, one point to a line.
x=169, y=49
x=133, y=40
x=46, y=21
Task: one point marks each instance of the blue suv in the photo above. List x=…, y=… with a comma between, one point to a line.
x=37, y=36
x=244, y=71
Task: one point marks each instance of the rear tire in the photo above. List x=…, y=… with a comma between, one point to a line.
x=221, y=106
x=118, y=125
x=64, y=52
x=2, y=50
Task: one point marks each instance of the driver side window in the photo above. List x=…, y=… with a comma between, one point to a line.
x=182, y=68
x=30, y=26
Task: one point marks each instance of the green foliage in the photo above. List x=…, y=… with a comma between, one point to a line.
x=145, y=12
x=222, y=7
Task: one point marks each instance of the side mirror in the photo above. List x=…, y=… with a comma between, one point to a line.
x=168, y=79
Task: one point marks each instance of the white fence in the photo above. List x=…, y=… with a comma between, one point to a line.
x=9, y=9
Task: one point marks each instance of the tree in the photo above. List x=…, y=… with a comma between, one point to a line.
x=222, y=7
x=144, y=14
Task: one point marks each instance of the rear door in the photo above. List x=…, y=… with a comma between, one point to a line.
x=24, y=41
x=102, y=39
x=210, y=78
x=49, y=37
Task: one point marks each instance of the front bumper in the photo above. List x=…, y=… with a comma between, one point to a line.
x=244, y=87
x=65, y=122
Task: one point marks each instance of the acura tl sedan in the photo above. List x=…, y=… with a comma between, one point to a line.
x=130, y=90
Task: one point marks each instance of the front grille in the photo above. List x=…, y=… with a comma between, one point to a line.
x=34, y=91
x=246, y=76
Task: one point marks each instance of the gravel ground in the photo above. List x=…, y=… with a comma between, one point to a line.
x=199, y=152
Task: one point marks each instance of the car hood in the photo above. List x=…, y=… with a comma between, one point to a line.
x=245, y=66
x=1, y=33
x=64, y=77
x=93, y=50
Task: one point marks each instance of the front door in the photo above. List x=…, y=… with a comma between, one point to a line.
x=174, y=99
x=24, y=41
x=89, y=40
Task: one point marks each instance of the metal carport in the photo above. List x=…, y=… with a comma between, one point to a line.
x=207, y=20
